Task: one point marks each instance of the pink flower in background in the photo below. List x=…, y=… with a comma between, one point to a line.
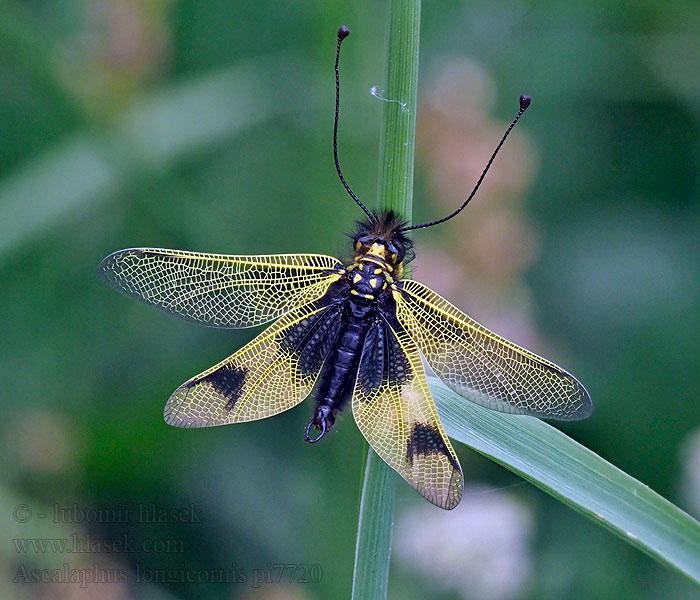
x=481, y=549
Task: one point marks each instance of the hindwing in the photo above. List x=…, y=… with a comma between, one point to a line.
x=483, y=367
x=219, y=290
x=395, y=412
x=271, y=374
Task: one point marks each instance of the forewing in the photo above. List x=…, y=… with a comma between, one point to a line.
x=394, y=410
x=271, y=374
x=217, y=289
x=483, y=367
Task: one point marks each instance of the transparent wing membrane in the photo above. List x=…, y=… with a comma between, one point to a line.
x=217, y=289
x=271, y=374
x=395, y=412
x=483, y=367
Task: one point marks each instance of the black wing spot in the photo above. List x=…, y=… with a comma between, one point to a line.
x=318, y=343
x=372, y=370
x=311, y=339
x=383, y=360
x=398, y=367
x=399, y=370
x=227, y=381
x=426, y=439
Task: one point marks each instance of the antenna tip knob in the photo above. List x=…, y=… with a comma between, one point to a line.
x=524, y=99
x=343, y=32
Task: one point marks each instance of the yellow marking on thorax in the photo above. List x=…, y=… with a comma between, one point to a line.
x=379, y=261
x=367, y=296
x=378, y=250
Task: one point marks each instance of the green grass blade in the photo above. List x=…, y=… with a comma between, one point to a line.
x=373, y=548
x=578, y=477
x=395, y=192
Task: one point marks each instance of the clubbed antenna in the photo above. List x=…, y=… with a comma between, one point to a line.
x=343, y=32
x=524, y=103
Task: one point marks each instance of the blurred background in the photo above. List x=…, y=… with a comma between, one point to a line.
x=206, y=126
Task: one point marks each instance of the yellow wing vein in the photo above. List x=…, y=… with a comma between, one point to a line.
x=497, y=373
x=483, y=366
x=324, y=262
x=220, y=290
x=399, y=419
x=259, y=380
x=257, y=342
x=473, y=326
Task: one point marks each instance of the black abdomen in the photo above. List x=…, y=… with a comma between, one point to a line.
x=340, y=370
x=359, y=309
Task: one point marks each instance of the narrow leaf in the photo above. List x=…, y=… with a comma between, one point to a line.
x=373, y=548
x=578, y=477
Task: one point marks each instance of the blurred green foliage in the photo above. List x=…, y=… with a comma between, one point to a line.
x=206, y=126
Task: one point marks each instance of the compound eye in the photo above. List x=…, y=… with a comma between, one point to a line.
x=397, y=251
x=363, y=243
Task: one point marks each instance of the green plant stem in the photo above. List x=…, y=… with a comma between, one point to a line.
x=395, y=192
x=397, y=144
